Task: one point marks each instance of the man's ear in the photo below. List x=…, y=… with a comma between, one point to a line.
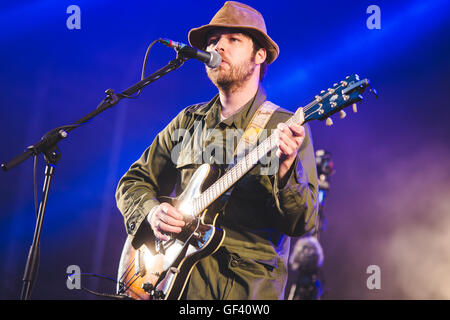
x=260, y=56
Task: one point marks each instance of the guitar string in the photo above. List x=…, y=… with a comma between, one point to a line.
x=134, y=278
x=125, y=284
x=128, y=266
x=128, y=269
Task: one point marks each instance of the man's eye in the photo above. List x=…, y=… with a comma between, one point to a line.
x=212, y=41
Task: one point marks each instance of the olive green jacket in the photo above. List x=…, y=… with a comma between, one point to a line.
x=260, y=213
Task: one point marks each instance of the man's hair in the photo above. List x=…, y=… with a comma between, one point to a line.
x=256, y=47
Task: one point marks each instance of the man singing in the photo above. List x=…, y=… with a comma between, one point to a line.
x=263, y=210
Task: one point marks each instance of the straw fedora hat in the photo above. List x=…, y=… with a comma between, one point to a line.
x=240, y=16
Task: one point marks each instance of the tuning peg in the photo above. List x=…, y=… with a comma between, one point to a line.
x=329, y=122
x=355, y=109
x=342, y=114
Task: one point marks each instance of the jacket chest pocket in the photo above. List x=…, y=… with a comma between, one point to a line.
x=186, y=165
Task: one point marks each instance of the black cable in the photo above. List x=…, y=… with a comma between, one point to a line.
x=35, y=186
x=144, y=65
x=100, y=294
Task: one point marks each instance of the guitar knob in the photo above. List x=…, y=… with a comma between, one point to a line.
x=329, y=122
x=342, y=114
x=355, y=109
x=147, y=287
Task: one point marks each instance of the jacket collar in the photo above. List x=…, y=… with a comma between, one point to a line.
x=240, y=118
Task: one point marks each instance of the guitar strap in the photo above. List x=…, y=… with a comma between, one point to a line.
x=254, y=128
x=251, y=135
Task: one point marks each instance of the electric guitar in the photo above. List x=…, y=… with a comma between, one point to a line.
x=163, y=275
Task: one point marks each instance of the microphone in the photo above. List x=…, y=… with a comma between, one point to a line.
x=212, y=59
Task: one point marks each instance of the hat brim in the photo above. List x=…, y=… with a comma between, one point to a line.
x=197, y=38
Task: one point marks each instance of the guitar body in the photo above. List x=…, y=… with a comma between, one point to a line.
x=164, y=274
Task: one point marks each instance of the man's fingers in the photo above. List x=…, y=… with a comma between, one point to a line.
x=171, y=211
x=167, y=219
x=283, y=127
x=297, y=130
x=287, y=140
x=162, y=226
x=286, y=149
x=290, y=138
x=161, y=236
x=293, y=130
x=170, y=221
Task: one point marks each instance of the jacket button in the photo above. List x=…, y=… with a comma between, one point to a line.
x=132, y=226
x=234, y=262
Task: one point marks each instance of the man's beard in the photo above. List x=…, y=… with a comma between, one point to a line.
x=231, y=79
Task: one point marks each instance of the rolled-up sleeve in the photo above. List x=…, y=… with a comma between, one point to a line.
x=151, y=176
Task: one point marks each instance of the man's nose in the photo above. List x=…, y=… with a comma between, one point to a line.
x=220, y=45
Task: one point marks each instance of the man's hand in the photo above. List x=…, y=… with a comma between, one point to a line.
x=165, y=219
x=290, y=138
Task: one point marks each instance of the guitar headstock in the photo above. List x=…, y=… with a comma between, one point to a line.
x=335, y=99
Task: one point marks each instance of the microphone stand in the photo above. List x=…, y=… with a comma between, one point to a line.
x=48, y=146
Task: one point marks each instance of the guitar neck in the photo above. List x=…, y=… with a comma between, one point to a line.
x=233, y=175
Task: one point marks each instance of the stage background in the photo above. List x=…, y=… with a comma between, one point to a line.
x=389, y=201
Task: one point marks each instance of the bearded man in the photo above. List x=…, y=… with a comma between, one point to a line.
x=263, y=210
